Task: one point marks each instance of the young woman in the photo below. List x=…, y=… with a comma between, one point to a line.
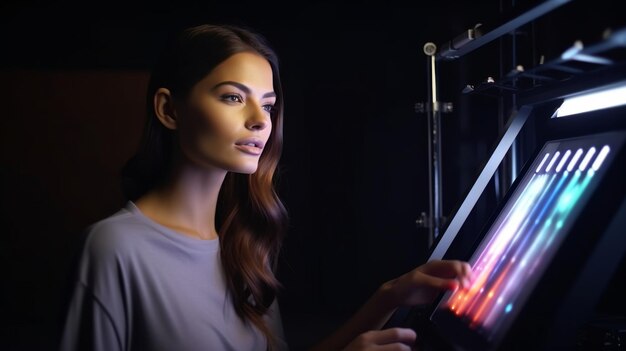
x=188, y=263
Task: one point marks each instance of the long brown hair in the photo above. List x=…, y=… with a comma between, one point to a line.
x=250, y=217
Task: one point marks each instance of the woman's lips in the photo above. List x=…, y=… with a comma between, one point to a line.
x=248, y=149
x=252, y=146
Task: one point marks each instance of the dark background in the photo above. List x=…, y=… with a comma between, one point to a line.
x=354, y=173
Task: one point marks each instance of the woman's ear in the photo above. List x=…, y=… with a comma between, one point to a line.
x=164, y=108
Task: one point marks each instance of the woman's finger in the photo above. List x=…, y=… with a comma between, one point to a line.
x=393, y=347
x=446, y=268
x=425, y=280
x=393, y=335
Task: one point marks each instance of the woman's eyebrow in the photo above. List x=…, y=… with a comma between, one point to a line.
x=243, y=88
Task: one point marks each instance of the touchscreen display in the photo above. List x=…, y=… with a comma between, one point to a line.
x=520, y=243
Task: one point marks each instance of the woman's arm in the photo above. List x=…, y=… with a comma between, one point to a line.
x=372, y=315
x=89, y=325
x=419, y=286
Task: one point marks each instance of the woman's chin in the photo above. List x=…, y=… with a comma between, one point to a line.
x=244, y=169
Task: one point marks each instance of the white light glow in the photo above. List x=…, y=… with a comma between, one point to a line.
x=542, y=162
x=588, y=156
x=554, y=158
x=572, y=163
x=593, y=101
x=601, y=156
x=563, y=160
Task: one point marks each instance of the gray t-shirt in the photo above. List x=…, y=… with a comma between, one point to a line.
x=142, y=286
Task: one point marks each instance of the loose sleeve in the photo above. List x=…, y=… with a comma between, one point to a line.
x=89, y=325
x=96, y=313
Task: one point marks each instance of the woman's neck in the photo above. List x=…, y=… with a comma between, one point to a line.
x=187, y=203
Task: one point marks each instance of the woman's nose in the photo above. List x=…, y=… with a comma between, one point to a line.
x=258, y=118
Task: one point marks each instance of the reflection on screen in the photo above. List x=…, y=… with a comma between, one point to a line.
x=527, y=232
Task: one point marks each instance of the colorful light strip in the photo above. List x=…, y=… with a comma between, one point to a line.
x=523, y=239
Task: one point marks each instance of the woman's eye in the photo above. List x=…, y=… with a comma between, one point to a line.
x=232, y=98
x=269, y=108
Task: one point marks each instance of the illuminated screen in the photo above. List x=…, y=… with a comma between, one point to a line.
x=526, y=234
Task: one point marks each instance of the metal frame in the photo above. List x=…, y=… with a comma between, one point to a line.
x=514, y=126
x=455, y=48
x=471, y=39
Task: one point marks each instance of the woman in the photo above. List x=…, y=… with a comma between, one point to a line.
x=188, y=263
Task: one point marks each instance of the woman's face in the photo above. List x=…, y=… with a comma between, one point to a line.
x=225, y=121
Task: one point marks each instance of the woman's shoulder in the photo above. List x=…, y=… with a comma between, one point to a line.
x=113, y=235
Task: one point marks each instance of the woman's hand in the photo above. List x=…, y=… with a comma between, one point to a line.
x=392, y=339
x=424, y=283
x=419, y=286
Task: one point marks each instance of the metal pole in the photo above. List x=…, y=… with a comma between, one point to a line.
x=433, y=113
